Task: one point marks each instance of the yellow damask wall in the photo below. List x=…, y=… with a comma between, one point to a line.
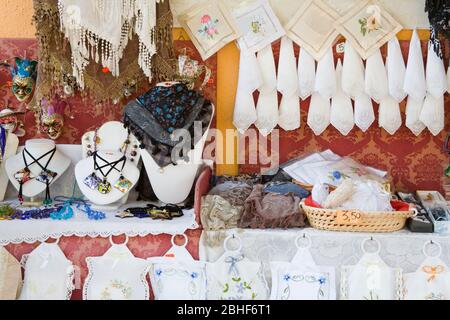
x=15, y=19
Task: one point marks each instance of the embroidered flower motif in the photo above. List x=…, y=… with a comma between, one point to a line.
x=159, y=272
x=322, y=280
x=239, y=291
x=208, y=27
x=205, y=19
x=337, y=175
x=124, y=288
x=257, y=24
x=287, y=277
x=194, y=275
x=372, y=22
x=240, y=288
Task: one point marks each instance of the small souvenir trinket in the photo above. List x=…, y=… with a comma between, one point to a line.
x=160, y=214
x=123, y=184
x=124, y=215
x=46, y=176
x=92, y=181
x=104, y=187
x=23, y=176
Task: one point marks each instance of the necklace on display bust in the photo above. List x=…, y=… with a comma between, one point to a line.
x=46, y=176
x=102, y=185
x=92, y=146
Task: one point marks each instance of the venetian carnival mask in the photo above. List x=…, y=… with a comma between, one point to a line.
x=10, y=122
x=24, y=75
x=52, y=117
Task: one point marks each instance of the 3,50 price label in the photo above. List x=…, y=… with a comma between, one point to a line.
x=349, y=217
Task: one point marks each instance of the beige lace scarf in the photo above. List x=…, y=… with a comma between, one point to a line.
x=55, y=59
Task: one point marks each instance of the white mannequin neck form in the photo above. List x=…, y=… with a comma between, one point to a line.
x=85, y=167
x=112, y=135
x=59, y=163
x=172, y=184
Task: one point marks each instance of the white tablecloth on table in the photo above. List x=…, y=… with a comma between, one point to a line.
x=31, y=231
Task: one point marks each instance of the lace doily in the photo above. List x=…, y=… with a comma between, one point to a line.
x=31, y=231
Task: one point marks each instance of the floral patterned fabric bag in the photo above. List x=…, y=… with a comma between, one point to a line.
x=302, y=279
x=177, y=276
x=48, y=274
x=431, y=281
x=234, y=277
x=117, y=275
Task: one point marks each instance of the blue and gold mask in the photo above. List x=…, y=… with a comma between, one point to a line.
x=24, y=75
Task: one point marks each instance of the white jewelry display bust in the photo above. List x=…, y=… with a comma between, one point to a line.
x=172, y=184
x=112, y=136
x=36, y=147
x=85, y=167
x=12, y=143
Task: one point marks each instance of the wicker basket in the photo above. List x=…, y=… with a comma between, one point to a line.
x=334, y=220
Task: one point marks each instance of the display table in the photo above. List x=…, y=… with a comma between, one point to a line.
x=400, y=249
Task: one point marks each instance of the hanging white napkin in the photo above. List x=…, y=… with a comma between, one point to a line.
x=319, y=113
x=433, y=114
x=250, y=79
x=389, y=117
x=290, y=117
x=341, y=114
x=325, y=76
x=267, y=111
x=287, y=68
x=395, y=66
x=413, y=110
x=364, y=114
x=266, y=63
x=289, y=113
x=435, y=74
x=415, y=84
x=267, y=107
x=376, y=83
x=352, y=72
x=306, y=74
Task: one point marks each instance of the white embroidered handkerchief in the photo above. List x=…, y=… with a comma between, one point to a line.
x=367, y=26
x=415, y=83
x=306, y=74
x=364, y=114
x=395, y=67
x=210, y=26
x=312, y=27
x=352, y=72
x=258, y=24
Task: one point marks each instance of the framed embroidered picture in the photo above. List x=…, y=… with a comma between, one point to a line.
x=258, y=25
x=367, y=26
x=313, y=27
x=210, y=26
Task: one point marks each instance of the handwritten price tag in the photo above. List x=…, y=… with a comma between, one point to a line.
x=348, y=217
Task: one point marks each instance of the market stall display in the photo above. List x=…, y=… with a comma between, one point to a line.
x=123, y=137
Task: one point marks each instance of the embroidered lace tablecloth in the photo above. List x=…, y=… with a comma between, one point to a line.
x=31, y=231
x=400, y=249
